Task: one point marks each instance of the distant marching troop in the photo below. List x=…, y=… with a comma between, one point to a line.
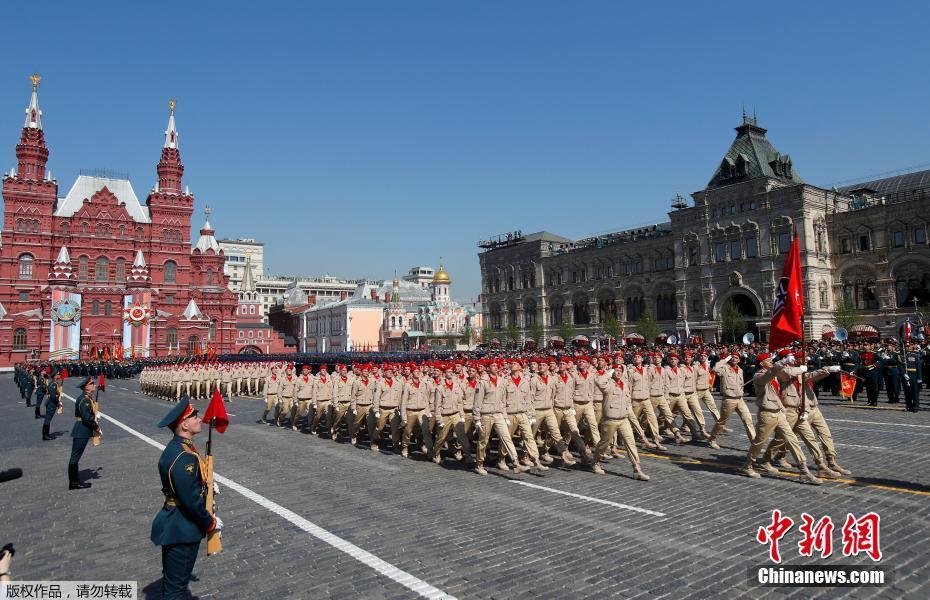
x=594, y=406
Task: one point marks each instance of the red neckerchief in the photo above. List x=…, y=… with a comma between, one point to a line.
x=658, y=369
x=619, y=383
x=775, y=386
x=449, y=385
x=290, y=377
x=389, y=381
x=640, y=369
x=736, y=369
x=306, y=378
x=492, y=379
x=674, y=370
x=564, y=377
x=583, y=374
x=797, y=384
x=545, y=379
x=473, y=384
x=344, y=378
x=601, y=372
x=689, y=368
x=274, y=377
x=416, y=384
x=365, y=381
x=461, y=376
x=323, y=378
x=516, y=380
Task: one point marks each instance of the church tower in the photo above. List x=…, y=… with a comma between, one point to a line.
x=170, y=204
x=440, y=286
x=250, y=306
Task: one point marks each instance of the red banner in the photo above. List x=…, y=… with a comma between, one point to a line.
x=789, y=304
x=847, y=385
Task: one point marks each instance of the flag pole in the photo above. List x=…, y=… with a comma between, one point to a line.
x=802, y=406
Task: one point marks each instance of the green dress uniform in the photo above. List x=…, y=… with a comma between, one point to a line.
x=183, y=520
x=85, y=427
x=52, y=404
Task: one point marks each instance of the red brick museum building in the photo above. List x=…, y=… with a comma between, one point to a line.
x=96, y=268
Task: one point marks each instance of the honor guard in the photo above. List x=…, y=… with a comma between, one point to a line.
x=184, y=518
x=52, y=405
x=85, y=428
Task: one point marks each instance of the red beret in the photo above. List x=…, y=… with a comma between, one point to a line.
x=763, y=356
x=784, y=352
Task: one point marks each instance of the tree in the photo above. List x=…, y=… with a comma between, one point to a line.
x=487, y=334
x=512, y=332
x=566, y=331
x=466, y=335
x=846, y=315
x=646, y=326
x=612, y=326
x=535, y=332
x=732, y=322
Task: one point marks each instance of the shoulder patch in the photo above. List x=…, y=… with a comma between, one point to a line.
x=189, y=468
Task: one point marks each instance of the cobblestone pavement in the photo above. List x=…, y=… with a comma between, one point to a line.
x=318, y=519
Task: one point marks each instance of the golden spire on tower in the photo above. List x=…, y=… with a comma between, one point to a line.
x=171, y=104
x=35, y=78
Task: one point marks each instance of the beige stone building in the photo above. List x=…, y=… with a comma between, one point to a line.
x=867, y=242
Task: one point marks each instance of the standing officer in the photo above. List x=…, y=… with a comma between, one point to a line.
x=893, y=366
x=52, y=405
x=85, y=427
x=41, y=389
x=184, y=519
x=870, y=369
x=913, y=376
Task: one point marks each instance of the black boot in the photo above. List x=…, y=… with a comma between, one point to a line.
x=45, y=434
x=38, y=416
x=73, y=482
x=29, y=401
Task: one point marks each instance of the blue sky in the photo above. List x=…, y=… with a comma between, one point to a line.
x=430, y=125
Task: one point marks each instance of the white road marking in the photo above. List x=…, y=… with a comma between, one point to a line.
x=363, y=556
x=884, y=431
x=878, y=423
x=860, y=446
x=590, y=499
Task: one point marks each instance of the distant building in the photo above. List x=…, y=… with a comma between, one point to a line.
x=422, y=276
x=237, y=251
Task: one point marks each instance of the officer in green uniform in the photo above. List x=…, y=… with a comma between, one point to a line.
x=52, y=404
x=85, y=427
x=184, y=519
x=41, y=389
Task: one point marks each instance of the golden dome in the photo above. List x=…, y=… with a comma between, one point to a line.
x=442, y=276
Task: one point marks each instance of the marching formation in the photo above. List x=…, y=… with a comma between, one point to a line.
x=536, y=410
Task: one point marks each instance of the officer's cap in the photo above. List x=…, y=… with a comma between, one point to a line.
x=181, y=411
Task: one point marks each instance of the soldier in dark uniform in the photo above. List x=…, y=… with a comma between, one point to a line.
x=913, y=376
x=29, y=385
x=85, y=427
x=184, y=520
x=41, y=390
x=893, y=372
x=52, y=404
x=870, y=369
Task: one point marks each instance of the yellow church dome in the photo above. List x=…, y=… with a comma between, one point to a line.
x=442, y=276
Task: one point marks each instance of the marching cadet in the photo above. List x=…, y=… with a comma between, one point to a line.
x=360, y=404
x=226, y=381
x=675, y=397
x=342, y=398
x=52, y=405
x=448, y=407
x=272, y=386
x=415, y=411
x=238, y=376
x=322, y=396
x=184, y=518
x=85, y=428
x=582, y=395
x=286, y=404
x=913, y=376
x=637, y=377
x=384, y=404
x=788, y=388
x=518, y=403
x=771, y=416
x=616, y=412
x=731, y=388
x=176, y=381
x=488, y=413
x=702, y=386
x=303, y=391
x=542, y=390
x=601, y=376
x=658, y=399
x=564, y=407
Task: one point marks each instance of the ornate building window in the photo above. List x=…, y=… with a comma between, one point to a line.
x=752, y=247
x=95, y=307
x=824, y=295
x=720, y=251
x=102, y=270
x=120, y=269
x=736, y=252
x=784, y=242
x=193, y=344
x=26, y=263
x=108, y=308
x=865, y=243
x=19, y=339
x=64, y=229
x=82, y=268
x=171, y=337
x=171, y=272
x=920, y=236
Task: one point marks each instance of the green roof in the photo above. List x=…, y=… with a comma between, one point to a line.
x=752, y=155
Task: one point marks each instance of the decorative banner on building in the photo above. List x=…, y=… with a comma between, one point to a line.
x=137, y=314
x=65, y=338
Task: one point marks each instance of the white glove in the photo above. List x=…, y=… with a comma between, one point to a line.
x=572, y=412
x=403, y=422
x=219, y=524
x=833, y=368
x=216, y=489
x=354, y=412
x=377, y=414
x=532, y=421
x=477, y=424
x=789, y=360
x=507, y=421
x=907, y=377
x=803, y=368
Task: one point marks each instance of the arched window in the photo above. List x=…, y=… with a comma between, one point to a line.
x=120, y=269
x=400, y=321
x=84, y=228
x=171, y=272
x=82, y=268
x=95, y=307
x=193, y=344
x=19, y=339
x=102, y=271
x=171, y=337
x=108, y=308
x=211, y=334
x=122, y=231
x=139, y=233
x=64, y=229
x=26, y=262
x=210, y=275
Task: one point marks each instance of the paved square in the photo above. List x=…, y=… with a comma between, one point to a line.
x=309, y=518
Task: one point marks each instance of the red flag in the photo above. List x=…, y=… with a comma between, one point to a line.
x=217, y=412
x=847, y=385
x=789, y=303
x=64, y=373
x=102, y=383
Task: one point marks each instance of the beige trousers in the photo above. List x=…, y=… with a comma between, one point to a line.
x=497, y=422
x=731, y=405
x=623, y=431
x=452, y=423
x=584, y=413
x=774, y=422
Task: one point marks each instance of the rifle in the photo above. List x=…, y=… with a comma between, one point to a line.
x=214, y=541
